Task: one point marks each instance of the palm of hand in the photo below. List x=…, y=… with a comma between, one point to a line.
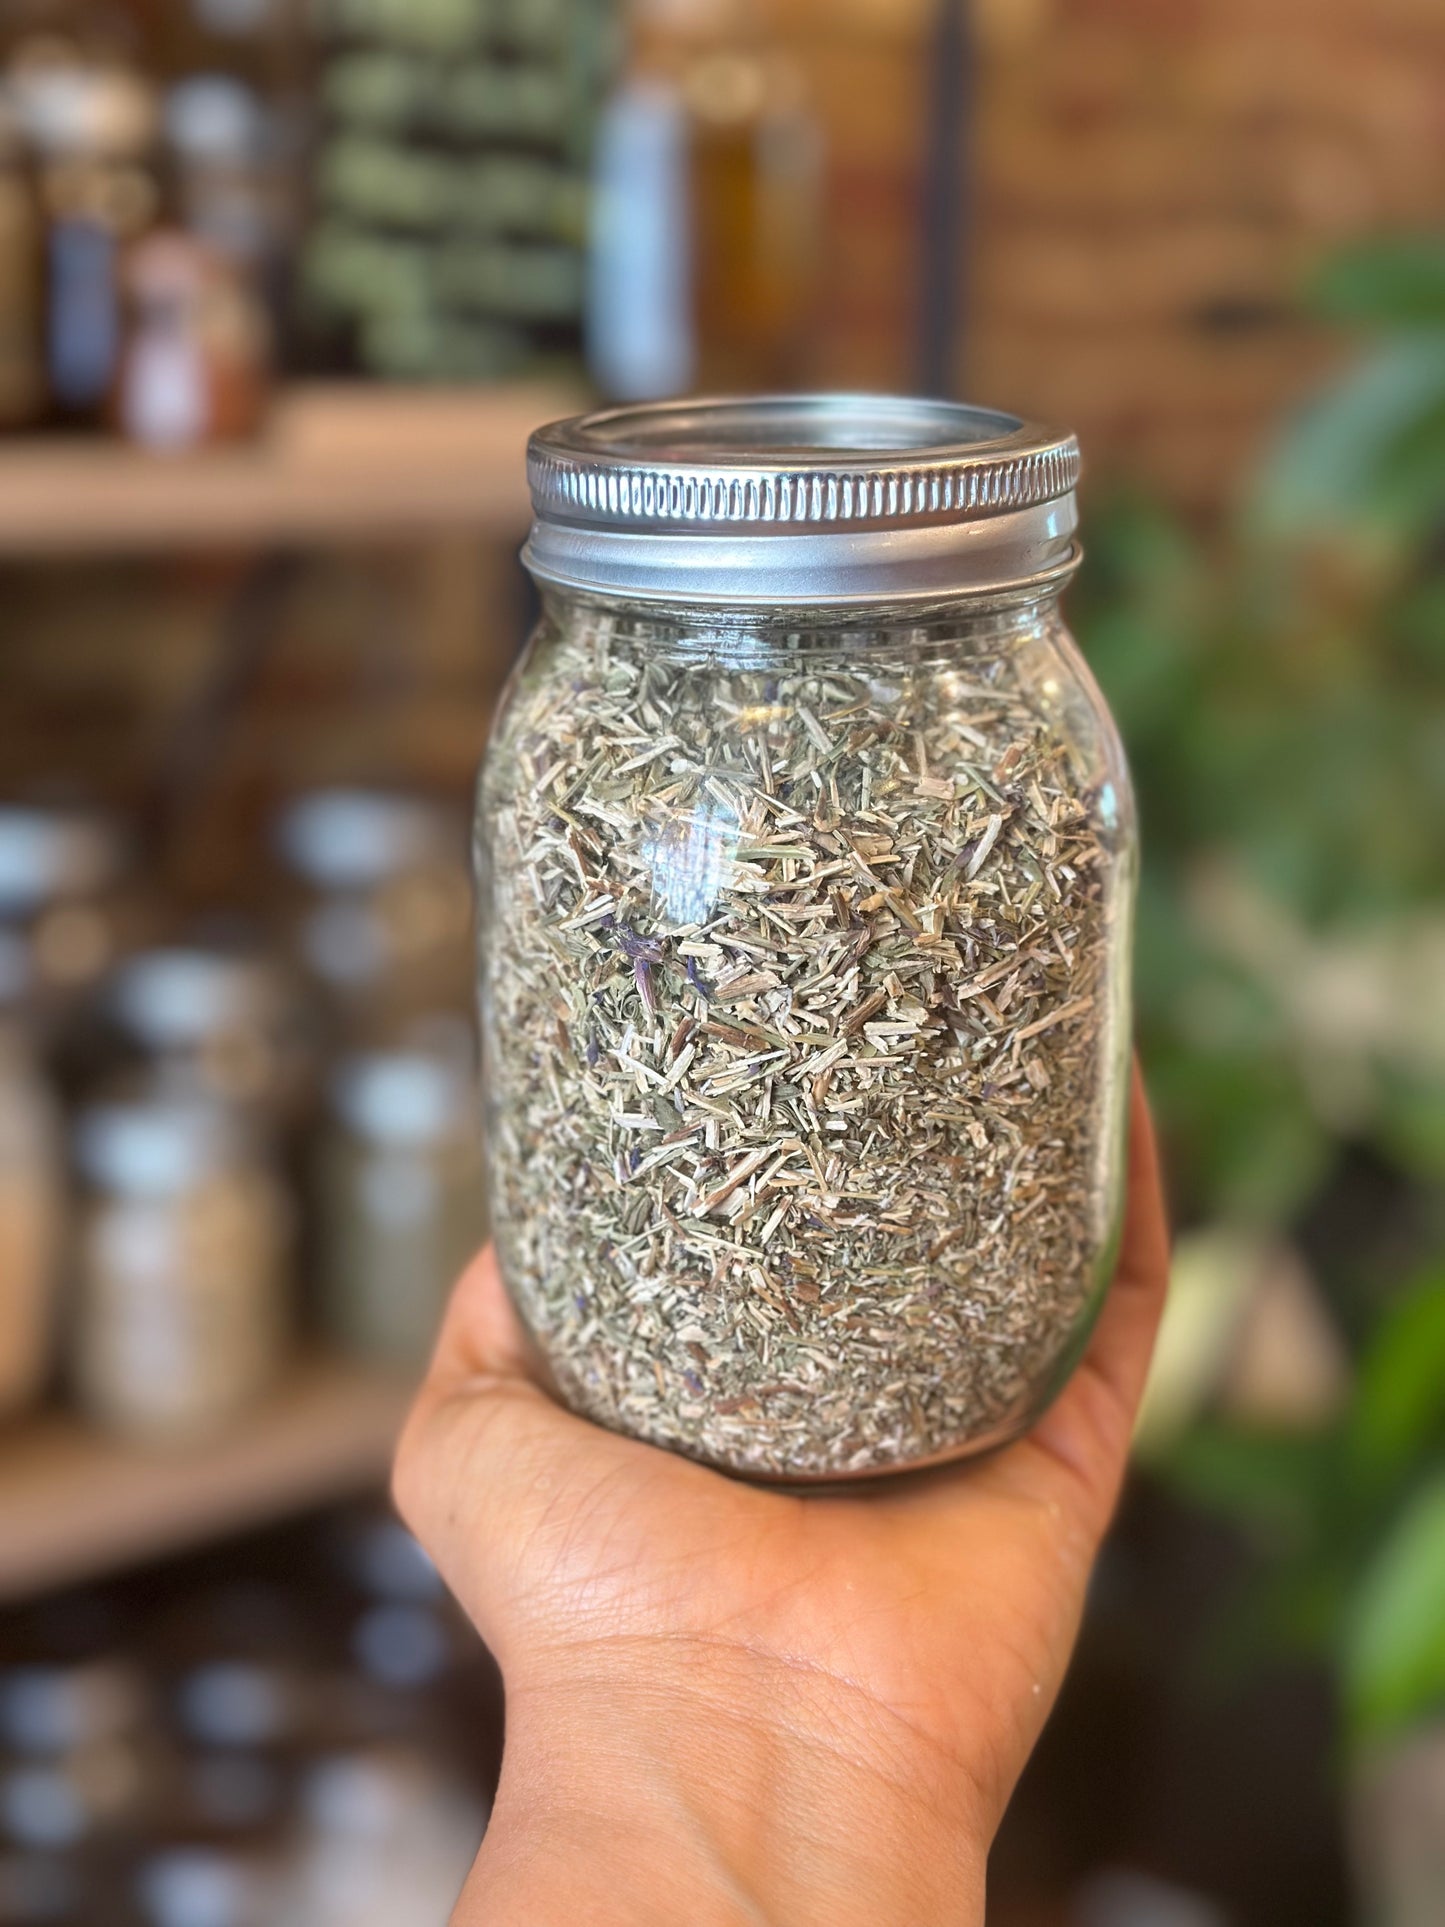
x=916, y=1633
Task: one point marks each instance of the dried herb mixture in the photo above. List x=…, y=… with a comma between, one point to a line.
x=798, y=993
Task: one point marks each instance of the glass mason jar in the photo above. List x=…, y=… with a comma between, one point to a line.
x=384, y=931
x=66, y=898
x=806, y=865
x=32, y=1217
x=180, y=1314
x=400, y=1206
x=220, y=1024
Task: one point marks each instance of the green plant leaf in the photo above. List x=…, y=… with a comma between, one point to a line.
x=1399, y=1404
x=1393, y=1659
x=1393, y=281
x=1412, y=1125
x=1267, y=1482
x=1326, y=470
x=1409, y=479
x=1254, y=1150
x=1418, y=620
x=1280, y=694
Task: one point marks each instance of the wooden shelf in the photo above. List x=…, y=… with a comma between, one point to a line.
x=75, y=1504
x=336, y=464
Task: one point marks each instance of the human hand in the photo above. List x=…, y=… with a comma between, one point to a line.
x=727, y=1704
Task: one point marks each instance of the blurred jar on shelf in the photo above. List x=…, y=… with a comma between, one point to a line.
x=22, y=360
x=49, y=1709
x=239, y=1702
x=232, y=1751
x=400, y=1199
x=232, y=182
x=385, y=1835
x=236, y=1723
x=194, y=365
x=233, y=1662
x=204, y=1885
x=32, y=1197
x=407, y=1635
x=384, y=921
x=180, y=1314
x=224, y=1024
x=44, y=1889
x=708, y=176
x=68, y=894
x=80, y=1766
x=92, y=128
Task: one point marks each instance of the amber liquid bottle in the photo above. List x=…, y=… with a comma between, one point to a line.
x=732, y=175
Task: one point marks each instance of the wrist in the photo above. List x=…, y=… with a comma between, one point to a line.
x=721, y=1787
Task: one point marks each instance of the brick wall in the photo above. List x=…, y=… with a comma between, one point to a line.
x=1151, y=181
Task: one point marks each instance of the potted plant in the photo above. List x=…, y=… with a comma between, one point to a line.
x=1280, y=686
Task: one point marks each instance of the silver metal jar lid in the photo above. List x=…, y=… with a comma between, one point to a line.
x=800, y=499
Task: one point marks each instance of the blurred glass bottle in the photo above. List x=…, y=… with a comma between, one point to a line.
x=32, y=1197
x=203, y=1021
x=22, y=361
x=80, y=1771
x=232, y=179
x=68, y=894
x=92, y=128
x=401, y=1204
x=703, y=269
x=204, y=1885
x=407, y=1636
x=193, y=366
x=235, y=1728
x=386, y=1835
x=383, y=926
x=180, y=1309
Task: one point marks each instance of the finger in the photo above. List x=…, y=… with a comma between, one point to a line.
x=485, y=1449
x=481, y=1333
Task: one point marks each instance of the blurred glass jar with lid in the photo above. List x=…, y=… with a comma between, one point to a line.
x=194, y=366
x=400, y=1199
x=68, y=897
x=231, y=180
x=92, y=127
x=204, y=1021
x=31, y=1199
x=49, y=1709
x=386, y=1835
x=22, y=364
x=203, y=1886
x=180, y=1312
x=384, y=924
x=79, y=1767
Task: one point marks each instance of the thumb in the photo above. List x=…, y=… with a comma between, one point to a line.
x=494, y=1476
x=484, y=1448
